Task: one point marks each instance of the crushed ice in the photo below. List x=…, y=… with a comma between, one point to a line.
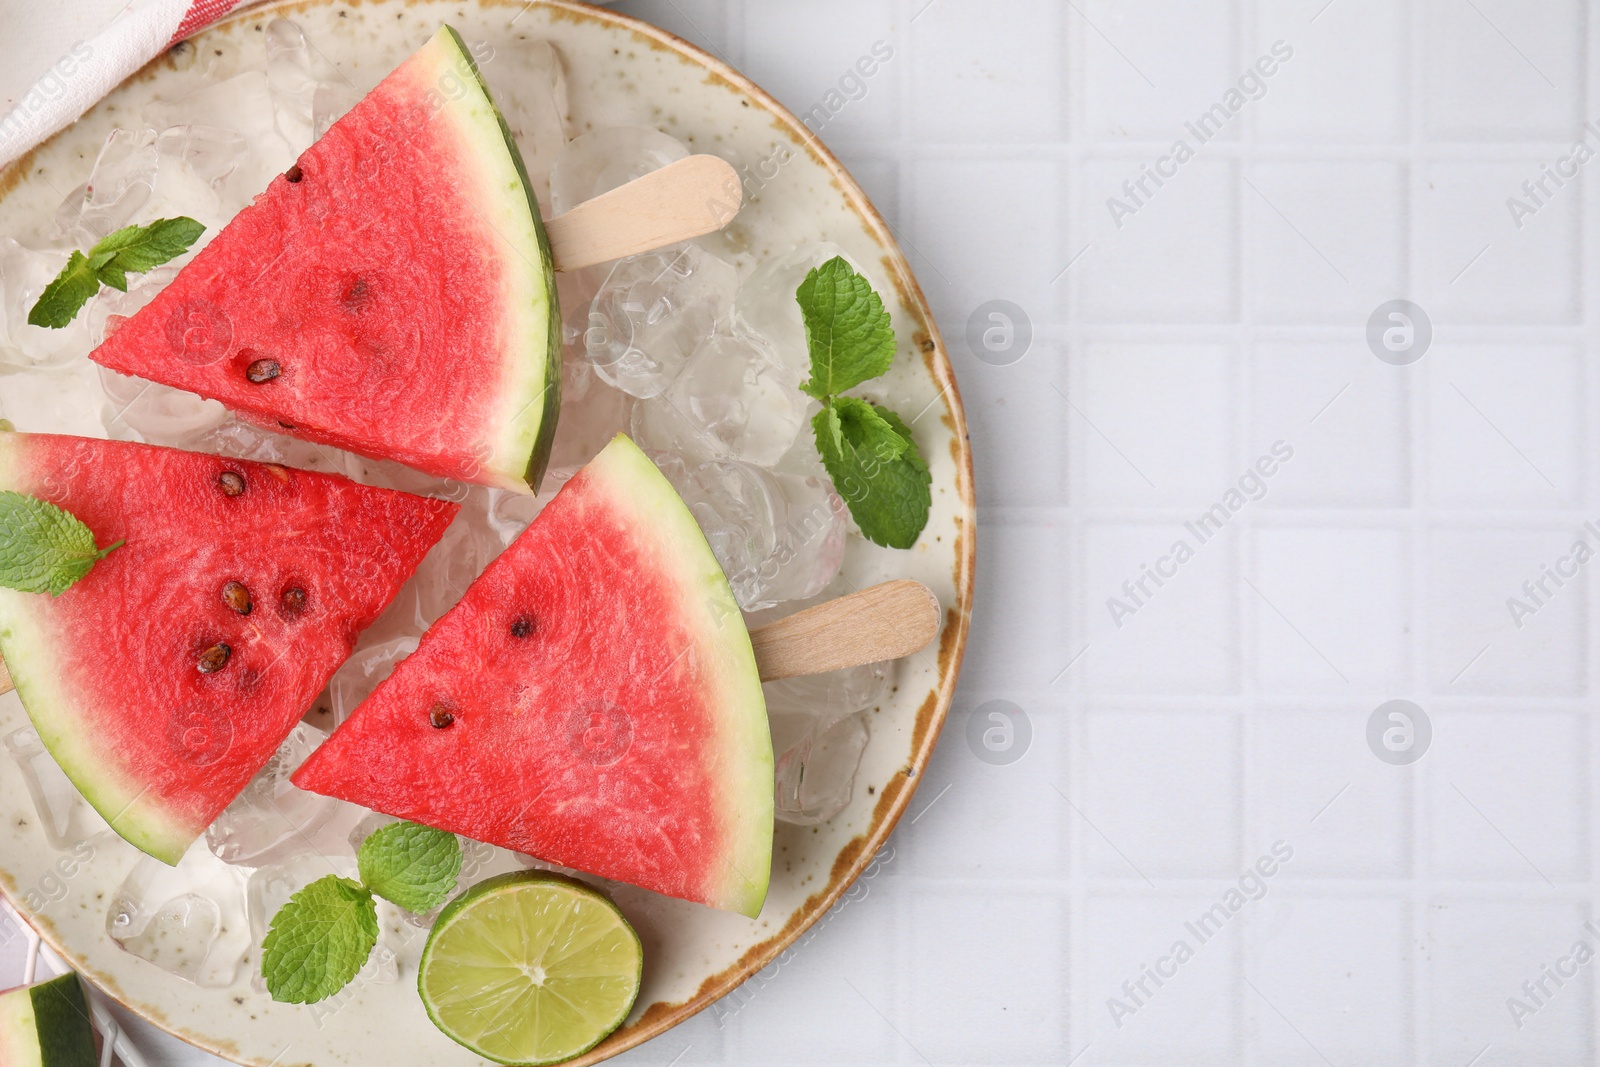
x=701, y=368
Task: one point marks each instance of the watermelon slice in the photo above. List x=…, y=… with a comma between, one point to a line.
x=593, y=700
x=391, y=294
x=46, y=1025
x=166, y=678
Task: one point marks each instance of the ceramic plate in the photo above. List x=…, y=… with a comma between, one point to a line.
x=619, y=72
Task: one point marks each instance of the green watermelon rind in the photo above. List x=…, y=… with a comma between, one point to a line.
x=746, y=760
x=121, y=803
x=33, y=666
x=46, y=1025
x=517, y=439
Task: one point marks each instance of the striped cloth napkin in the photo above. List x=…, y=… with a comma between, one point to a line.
x=93, y=67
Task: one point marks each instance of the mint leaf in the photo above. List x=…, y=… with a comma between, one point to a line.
x=142, y=248
x=62, y=298
x=876, y=467
x=134, y=249
x=319, y=941
x=847, y=329
x=44, y=549
x=412, y=866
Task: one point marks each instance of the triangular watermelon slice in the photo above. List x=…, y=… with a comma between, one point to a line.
x=391, y=294
x=593, y=700
x=170, y=674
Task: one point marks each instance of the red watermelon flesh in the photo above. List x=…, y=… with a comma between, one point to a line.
x=111, y=670
x=593, y=700
x=392, y=294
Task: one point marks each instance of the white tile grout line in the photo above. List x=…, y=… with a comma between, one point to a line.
x=1417, y=536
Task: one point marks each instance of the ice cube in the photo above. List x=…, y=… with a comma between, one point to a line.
x=189, y=920
x=67, y=819
x=365, y=671
x=243, y=104
x=120, y=182
x=24, y=273
x=604, y=159
x=329, y=104
x=511, y=513
x=831, y=695
x=732, y=401
x=195, y=168
x=803, y=458
x=141, y=175
x=819, y=731
x=778, y=537
x=453, y=565
x=242, y=440
x=817, y=764
x=210, y=153
x=271, y=817
x=290, y=83
x=57, y=401
x=246, y=440
x=158, y=414
x=592, y=413
x=530, y=86
x=653, y=312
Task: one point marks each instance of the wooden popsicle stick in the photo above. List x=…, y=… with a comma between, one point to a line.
x=883, y=622
x=685, y=199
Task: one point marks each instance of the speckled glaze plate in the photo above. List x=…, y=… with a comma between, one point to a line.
x=619, y=72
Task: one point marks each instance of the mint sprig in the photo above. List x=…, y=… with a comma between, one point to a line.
x=43, y=548
x=414, y=867
x=867, y=450
x=324, y=935
x=132, y=249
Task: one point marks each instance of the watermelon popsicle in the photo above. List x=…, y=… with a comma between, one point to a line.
x=165, y=678
x=595, y=698
x=393, y=292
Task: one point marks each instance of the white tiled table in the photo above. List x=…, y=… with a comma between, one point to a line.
x=1229, y=710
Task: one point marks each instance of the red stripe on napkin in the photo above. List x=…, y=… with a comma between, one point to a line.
x=201, y=14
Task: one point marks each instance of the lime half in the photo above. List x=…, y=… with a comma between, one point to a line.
x=530, y=968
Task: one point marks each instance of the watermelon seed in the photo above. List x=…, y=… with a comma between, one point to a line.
x=294, y=600
x=293, y=173
x=237, y=597
x=232, y=483
x=263, y=370
x=215, y=658
x=440, y=717
x=522, y=627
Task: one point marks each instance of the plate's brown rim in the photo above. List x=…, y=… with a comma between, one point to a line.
x=857, y=854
